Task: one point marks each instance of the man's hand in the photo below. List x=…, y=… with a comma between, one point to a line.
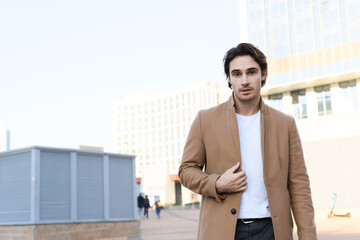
x=231, y=182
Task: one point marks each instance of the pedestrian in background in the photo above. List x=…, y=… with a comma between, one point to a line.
x=140, y=203
x=146, y=207
x=158, y=208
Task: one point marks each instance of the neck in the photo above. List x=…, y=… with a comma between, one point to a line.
x=247, y=108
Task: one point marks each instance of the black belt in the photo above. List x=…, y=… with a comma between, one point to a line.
x=251, y=220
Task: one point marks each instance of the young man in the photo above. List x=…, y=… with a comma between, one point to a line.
x=254, y=174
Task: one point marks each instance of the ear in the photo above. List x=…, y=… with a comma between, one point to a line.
x=263, y=78
x=263, y=75
x=229, y=84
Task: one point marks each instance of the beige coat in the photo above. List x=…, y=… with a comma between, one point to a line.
x=213, y=145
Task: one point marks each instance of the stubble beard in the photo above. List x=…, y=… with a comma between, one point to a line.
x=251, y=99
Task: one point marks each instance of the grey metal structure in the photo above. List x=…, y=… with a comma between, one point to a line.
x=42, y=185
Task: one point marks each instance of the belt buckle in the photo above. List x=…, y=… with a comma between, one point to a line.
x=246, y=222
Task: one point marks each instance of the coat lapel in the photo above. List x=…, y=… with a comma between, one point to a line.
x=234, y=127
x=263, y=129
x=264, y=146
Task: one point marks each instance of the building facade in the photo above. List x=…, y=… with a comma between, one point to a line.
x=4, y=139
x=154, y=127
x=313, y=51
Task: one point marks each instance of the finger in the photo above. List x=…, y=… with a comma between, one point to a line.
x=241, y=185
x=243, y=188
x=235, y=167
x=239, y=182
x=244, y=183
x=240, y=174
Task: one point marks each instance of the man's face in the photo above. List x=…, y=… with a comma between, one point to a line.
x=245, y=78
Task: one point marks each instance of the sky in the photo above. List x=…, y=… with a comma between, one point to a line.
x=63, y=63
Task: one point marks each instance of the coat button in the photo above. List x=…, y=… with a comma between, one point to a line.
x=233, y=211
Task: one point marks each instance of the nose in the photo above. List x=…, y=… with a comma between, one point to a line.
x=244, y=80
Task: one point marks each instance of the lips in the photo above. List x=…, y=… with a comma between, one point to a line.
x=245, y=90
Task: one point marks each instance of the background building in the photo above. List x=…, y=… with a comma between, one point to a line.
x=4, y=138
x=154, y=127
x=313, y=50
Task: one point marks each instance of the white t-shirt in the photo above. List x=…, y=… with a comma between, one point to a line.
x=254, y=201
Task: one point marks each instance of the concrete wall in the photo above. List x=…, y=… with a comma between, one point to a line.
x=331, y=147
x=333, y=166
x=73, y=231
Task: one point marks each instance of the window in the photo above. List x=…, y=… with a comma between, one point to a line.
x=323, y=100
x=276, y=101
x=349, y=95
x=299, y=104
x=324, y=6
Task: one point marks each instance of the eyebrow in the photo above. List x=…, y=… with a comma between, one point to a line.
x=249, y=69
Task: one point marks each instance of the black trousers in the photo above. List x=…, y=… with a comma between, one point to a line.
x=146, y=212
x=260, y=229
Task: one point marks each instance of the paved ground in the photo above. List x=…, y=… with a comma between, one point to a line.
x=172, y=225
x=182, y=225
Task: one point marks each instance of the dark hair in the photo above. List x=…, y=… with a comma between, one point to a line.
x=245, y=49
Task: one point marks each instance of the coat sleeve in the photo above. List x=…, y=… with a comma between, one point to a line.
x=193, y=161
x=299, y=188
